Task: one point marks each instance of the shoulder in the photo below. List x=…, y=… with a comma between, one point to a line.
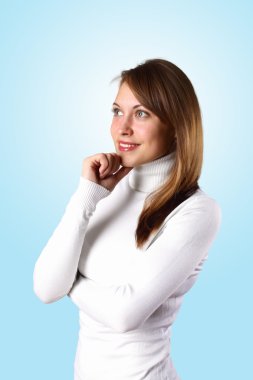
x=206, y=204
x=200, y=210
x=195, y=222
x=201, y=197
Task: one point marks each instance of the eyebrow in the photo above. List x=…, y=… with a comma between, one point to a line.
x=136, y=106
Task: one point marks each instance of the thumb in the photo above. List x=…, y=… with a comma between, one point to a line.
x=121, y=173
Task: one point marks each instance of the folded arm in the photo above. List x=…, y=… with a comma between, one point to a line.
x=156, y=273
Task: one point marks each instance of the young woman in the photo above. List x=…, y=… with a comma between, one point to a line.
x=136, y=231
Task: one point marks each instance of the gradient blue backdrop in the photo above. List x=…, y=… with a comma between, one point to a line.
x=57, y=61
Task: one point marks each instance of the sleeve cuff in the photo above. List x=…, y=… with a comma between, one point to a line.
x=90, y=193
x=87, y=195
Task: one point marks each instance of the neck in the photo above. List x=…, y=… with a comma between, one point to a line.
x=148, y=177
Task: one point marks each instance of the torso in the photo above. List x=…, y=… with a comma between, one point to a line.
x=108, y=252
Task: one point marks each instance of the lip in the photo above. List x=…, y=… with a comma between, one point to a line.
x=125, y=146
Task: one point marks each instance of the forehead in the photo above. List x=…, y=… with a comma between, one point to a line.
x=125, y=96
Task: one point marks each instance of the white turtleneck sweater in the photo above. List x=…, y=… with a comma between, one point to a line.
x=128, y=298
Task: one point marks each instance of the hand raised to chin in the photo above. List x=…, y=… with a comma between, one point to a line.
x=104, y=169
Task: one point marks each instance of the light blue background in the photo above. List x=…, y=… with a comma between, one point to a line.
x=57, y=61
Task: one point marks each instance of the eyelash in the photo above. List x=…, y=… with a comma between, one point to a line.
x=116, y=110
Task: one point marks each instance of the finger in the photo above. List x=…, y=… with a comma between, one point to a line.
x=103, y=163
x=105, y=169
x=113, y=165
x=116, y=162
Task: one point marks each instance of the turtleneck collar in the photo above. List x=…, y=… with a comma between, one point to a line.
x=148, y=177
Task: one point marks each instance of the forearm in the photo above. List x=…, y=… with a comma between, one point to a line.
x=155, y=274
x=56, y=267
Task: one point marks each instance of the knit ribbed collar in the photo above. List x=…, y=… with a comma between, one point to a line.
x=148, y=177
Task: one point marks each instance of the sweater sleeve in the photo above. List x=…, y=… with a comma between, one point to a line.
x=56, y=267
x=156, y=273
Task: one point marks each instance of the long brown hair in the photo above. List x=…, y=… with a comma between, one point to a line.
x=164, y=88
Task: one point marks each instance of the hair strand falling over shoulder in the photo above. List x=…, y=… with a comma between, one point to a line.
x=165, y=89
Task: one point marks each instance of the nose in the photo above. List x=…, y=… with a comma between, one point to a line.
x=126, y=127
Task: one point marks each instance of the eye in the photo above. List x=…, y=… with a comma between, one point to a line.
x=142, y=114
x=116, y=112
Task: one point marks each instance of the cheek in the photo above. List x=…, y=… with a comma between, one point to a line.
x=112, y=130
x=151, y=134
x=145, y=132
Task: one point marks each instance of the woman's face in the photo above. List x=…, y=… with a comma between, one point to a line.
x=139, y=135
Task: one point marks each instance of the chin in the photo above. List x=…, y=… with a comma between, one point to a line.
x=131, y=163
x=127, y=163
